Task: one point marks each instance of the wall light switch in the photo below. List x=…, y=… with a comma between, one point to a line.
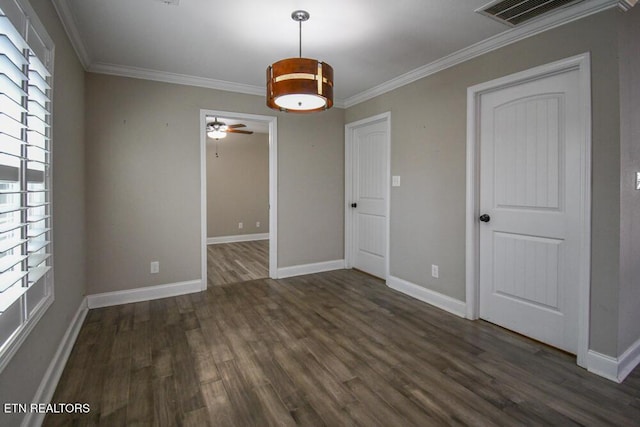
x=395, y=181
x=637, y=180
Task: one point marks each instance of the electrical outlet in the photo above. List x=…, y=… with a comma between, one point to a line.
x=257, y=224
x=435, y=271
x=155, y=267
x=240, y=225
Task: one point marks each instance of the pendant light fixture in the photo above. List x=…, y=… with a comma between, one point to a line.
x=300, y=85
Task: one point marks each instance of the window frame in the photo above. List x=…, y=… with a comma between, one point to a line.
x=27, y=24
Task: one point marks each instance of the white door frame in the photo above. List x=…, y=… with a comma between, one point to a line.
x=273, y=185
x=580, y=63
x=349, y=130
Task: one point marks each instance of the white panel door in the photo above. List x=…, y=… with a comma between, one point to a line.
x=530, y=193
x=368, y=204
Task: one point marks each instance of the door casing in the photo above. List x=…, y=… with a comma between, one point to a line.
x=348, y=190
x=273, y=186
x=580, y=63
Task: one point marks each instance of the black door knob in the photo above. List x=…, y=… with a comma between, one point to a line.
x=485, y=218
x=354, y=205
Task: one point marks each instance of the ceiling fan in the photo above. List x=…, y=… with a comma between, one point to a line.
x=218, y=130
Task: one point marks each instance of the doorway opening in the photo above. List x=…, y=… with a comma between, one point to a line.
x=238, y=197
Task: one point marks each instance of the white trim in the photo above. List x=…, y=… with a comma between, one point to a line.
x=444, y=302
x=24, y=330
x=317, y=267
x=203, y=201
x=611, y=368
x=273, y=186
x=348, y=183
x=584, y=298
x=146, y=293
x=70, y=25
x=472, y=232
x=581, y=63
x=602, y=365
x=626, y=5
x=628, y=360
x=239, y=238
x=349, y=130
x=182, y=79
x=505, y=38
x=273, y=197
x=50, y=379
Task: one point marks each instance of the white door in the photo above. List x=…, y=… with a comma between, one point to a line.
x=367, y=195
x=530, y=190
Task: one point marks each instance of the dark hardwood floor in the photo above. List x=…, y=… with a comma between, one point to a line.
x=237, y=262
x=334, y=349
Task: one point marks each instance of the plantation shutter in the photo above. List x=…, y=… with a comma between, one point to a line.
x=26, y=279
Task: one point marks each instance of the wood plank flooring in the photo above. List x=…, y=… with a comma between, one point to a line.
x=237, y=262
x=333, y=349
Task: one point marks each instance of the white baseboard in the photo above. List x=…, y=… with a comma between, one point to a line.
x=238, y=238
x=602, y=365
x=444, y=302
x=318, y=267
x=143, y=294
x=49, y=382
x=628, y=361
x=611, y=368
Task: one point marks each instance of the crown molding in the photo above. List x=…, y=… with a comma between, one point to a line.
x=183, y=79
x=492, y=43
x=71, y=28
x=339, y=103
x=625, y=5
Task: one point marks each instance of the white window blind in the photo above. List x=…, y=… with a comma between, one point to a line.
x=26, y=277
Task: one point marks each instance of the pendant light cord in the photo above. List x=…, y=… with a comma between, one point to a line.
x=300, y=39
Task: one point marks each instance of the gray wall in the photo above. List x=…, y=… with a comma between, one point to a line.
x=20, y=379
x=629, y=328
x=428, y=142
x=143, y=181
x=238, y=185
x=311, y=188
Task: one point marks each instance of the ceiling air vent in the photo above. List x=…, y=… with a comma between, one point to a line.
x=514, y=12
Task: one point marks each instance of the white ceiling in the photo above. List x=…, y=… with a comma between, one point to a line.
x=230, y=44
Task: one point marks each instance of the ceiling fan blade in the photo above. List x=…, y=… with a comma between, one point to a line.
x=246, y=132
x=239, y=125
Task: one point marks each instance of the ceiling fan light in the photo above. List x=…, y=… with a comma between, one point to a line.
x=217, y=134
